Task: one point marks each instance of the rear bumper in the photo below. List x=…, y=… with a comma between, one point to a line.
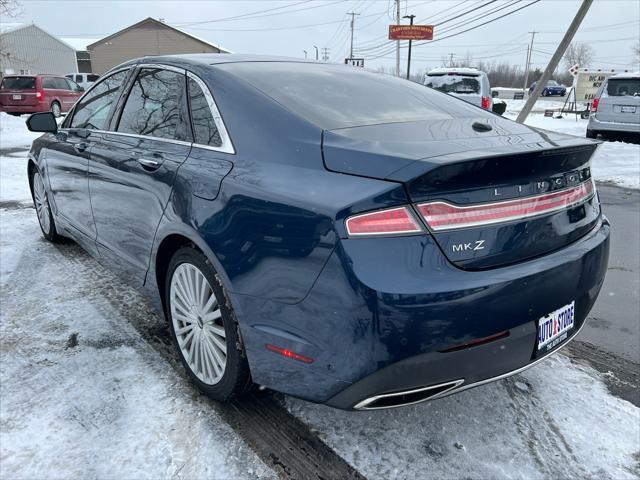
x=600, y=126
x=383, y=309
x=40, y=107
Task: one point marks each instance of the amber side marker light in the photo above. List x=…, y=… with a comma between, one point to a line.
x=288, y=353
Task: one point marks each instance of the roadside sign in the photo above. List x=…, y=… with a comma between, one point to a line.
x=587, y=83
x=410, y=32
x=355, y=62
x=574, y=70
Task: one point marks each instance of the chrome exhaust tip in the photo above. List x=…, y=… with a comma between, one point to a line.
x=407, y=397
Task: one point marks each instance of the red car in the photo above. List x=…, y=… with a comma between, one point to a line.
x=38, y=93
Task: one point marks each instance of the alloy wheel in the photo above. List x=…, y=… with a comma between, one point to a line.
x=42, y=204
x=55, y=108
x=197, y=322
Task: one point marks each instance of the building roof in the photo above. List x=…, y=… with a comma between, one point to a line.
x=153, y=20
x=79, y=44
x=14, y=27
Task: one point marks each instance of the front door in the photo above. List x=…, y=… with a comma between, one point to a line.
x=67, y=161
x=132, y=169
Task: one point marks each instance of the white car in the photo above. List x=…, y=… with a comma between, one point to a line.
x=468, y=84
x=616, y=106
x=83, y=79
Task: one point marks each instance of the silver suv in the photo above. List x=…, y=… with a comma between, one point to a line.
x=616, y=107
x=468, y=84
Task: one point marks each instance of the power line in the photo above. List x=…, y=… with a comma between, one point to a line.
x=464, y=13
x=244, y=16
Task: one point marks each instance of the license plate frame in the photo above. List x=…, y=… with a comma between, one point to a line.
x=16, y=97
x=555, y=328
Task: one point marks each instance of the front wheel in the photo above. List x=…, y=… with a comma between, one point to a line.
x=43, y=209
x=203, y=326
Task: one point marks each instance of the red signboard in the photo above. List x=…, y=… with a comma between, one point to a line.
x=410, y=32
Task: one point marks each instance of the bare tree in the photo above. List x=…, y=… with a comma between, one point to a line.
x=636, y=53
x=580, y=53
x=10, y=8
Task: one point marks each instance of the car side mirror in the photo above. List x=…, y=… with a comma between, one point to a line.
x=80, y=89
x=42, y=122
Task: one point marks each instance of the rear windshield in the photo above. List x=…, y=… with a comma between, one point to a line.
x=620, y=87
x=335, y=96
x=19, y=83
x=453, y=83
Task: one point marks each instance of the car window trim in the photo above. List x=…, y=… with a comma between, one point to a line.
x=226, y=145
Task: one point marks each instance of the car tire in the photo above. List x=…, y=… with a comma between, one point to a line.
x=43, y=208
x=204, y=328
x=592, y=133
x=56, y=109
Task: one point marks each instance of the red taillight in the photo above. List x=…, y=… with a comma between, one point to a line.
x=288, y=353
x=594, y=104
x=486, y=101
x=383, y=222
x=39, y=94
x=444, y=216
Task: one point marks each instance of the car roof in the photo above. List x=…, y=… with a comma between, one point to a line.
x=627, y=75
x=214, y=59
x=462, y=70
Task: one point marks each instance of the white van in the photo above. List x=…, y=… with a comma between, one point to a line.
x=83, y=79
x=468, y=84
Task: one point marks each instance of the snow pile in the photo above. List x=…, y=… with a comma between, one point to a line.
x=535, y=425
x=14, y=133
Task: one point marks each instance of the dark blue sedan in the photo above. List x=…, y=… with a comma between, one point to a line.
x=552, y=88
x=342, y=236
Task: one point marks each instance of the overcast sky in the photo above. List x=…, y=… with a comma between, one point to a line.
x=290, y=27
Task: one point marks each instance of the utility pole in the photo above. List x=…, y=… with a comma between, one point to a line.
x=316, y=51
x=527, y=66
x=398, y=41
x=553, y=63
x=353, y=21
x=410, y=17
x=325, y=54
x=451, y=59
x=305, y=54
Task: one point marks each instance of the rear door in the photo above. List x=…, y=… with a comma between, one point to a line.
x=20, y=91
x=134, y=164
x=67, y=160
x=620, y=101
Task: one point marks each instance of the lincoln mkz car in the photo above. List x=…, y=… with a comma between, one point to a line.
x=343, y=236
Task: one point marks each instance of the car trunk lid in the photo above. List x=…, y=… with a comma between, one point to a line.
x=458, y=166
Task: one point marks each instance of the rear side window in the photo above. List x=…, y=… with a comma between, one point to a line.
x=49, y=82
x=152, y=107
x=205, y=130
x=92, y=78
x=621, y=87
x=78, y=78
x=93, y=110
x=453, y=83
x=19, y=83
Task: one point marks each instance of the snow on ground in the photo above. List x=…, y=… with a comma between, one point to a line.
x=82, y=393
x=14, y=133
x=556, y=420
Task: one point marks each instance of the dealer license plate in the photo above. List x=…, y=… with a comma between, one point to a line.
x=554, y=328
x=17, y=97
x=628, y=109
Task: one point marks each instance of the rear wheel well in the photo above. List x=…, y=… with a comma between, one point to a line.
x=168, y=247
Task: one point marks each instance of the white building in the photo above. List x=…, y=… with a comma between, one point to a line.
x=27, y=49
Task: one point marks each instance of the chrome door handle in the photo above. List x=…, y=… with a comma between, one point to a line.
x=146, y=162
